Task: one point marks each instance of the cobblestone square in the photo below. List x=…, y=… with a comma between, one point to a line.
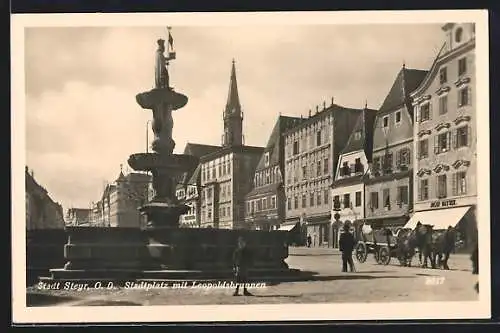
x=370, y=283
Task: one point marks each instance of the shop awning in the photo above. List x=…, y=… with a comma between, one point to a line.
x=440, y=218
x=286, y=227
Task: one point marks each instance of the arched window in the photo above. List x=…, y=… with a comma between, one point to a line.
x=458, y=35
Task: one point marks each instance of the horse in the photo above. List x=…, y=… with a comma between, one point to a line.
x=443, y=243
x=405, y=249
x=421, y=237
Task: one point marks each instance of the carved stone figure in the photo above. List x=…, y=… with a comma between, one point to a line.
x=161, y=70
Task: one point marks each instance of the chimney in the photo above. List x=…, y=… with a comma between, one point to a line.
x=332, y=100
x=309, y=113
x=324, y=105
x=317, y=108
x=32, y=173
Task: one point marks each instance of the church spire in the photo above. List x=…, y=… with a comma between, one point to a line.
x=233, y=100
x=233, y=117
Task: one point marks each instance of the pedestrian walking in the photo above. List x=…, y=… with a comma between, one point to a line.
x=309, y=241
x=346, y=245
x=241, y=263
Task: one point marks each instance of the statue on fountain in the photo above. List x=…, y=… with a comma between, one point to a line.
x=164, y=166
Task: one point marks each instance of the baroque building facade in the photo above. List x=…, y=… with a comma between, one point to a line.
x=348, y=187
x=445, y=172
x=388, y=193
x=265, y=203
x=311, y=155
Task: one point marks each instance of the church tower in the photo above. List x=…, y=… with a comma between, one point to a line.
x=233, y=117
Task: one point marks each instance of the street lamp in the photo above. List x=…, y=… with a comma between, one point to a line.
x=147, y=135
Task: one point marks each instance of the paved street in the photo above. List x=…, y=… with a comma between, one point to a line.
x=371, y=283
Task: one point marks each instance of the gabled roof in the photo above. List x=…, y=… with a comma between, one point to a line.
x=406, y=82
x=198, y=150
x=365, y=126
x=193, y=180
x=273, y=143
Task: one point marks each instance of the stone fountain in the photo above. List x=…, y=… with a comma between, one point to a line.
x=162, y=250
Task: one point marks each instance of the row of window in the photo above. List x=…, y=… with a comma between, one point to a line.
x=385, y=164
x=224, y=212
x=425, y=110
x=401, y=198
x=445, y=141
x=211, y=173
x=317, y=140
x=459, y=186
x=315, y=170
x=346, y=200
x=266, y=177
x=255, y=206
x=314, y=200
x=353, y=168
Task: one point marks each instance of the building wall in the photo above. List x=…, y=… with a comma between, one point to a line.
x=353, y=210
x=262, y=210
x=391, y=173
x=244, y=169
x=447, y=161
x=41, y=211
x=191, y=219
x=217, y=180
x=395, y=206
x=301, y=168
x=310, y=169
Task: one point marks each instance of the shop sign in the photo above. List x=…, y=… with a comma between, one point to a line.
x=443, y=203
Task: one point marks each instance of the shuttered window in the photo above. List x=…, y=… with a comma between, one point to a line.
x=441, y=186
x=423, y=191
x=459, y=184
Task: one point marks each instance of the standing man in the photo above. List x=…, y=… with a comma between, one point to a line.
x=309, y=241
x=346, y=245
x=241, y=263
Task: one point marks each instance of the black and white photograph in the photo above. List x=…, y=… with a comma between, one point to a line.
x=322, y=165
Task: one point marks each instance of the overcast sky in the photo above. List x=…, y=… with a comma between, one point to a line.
x=83, y=122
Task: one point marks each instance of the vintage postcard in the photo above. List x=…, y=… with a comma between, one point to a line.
x=204, y=167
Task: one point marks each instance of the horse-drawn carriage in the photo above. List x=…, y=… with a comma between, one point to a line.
x=381, y=242
x=386, y=243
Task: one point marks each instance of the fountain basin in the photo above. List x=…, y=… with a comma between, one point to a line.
x=158, y=96
x=169, y=254
x=152, y=161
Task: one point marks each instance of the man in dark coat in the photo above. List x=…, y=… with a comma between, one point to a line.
x=346, y=245
x=241, y=263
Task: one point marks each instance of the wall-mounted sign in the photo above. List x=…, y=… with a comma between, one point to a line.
x=443, y=203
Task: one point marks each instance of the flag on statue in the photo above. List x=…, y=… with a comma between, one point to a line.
x=170, y=39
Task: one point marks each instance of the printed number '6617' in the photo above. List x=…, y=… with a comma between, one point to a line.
x=434, y=280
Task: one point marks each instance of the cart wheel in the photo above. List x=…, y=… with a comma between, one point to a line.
x=376, y=255
x=384, y=255
x=361, y=253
